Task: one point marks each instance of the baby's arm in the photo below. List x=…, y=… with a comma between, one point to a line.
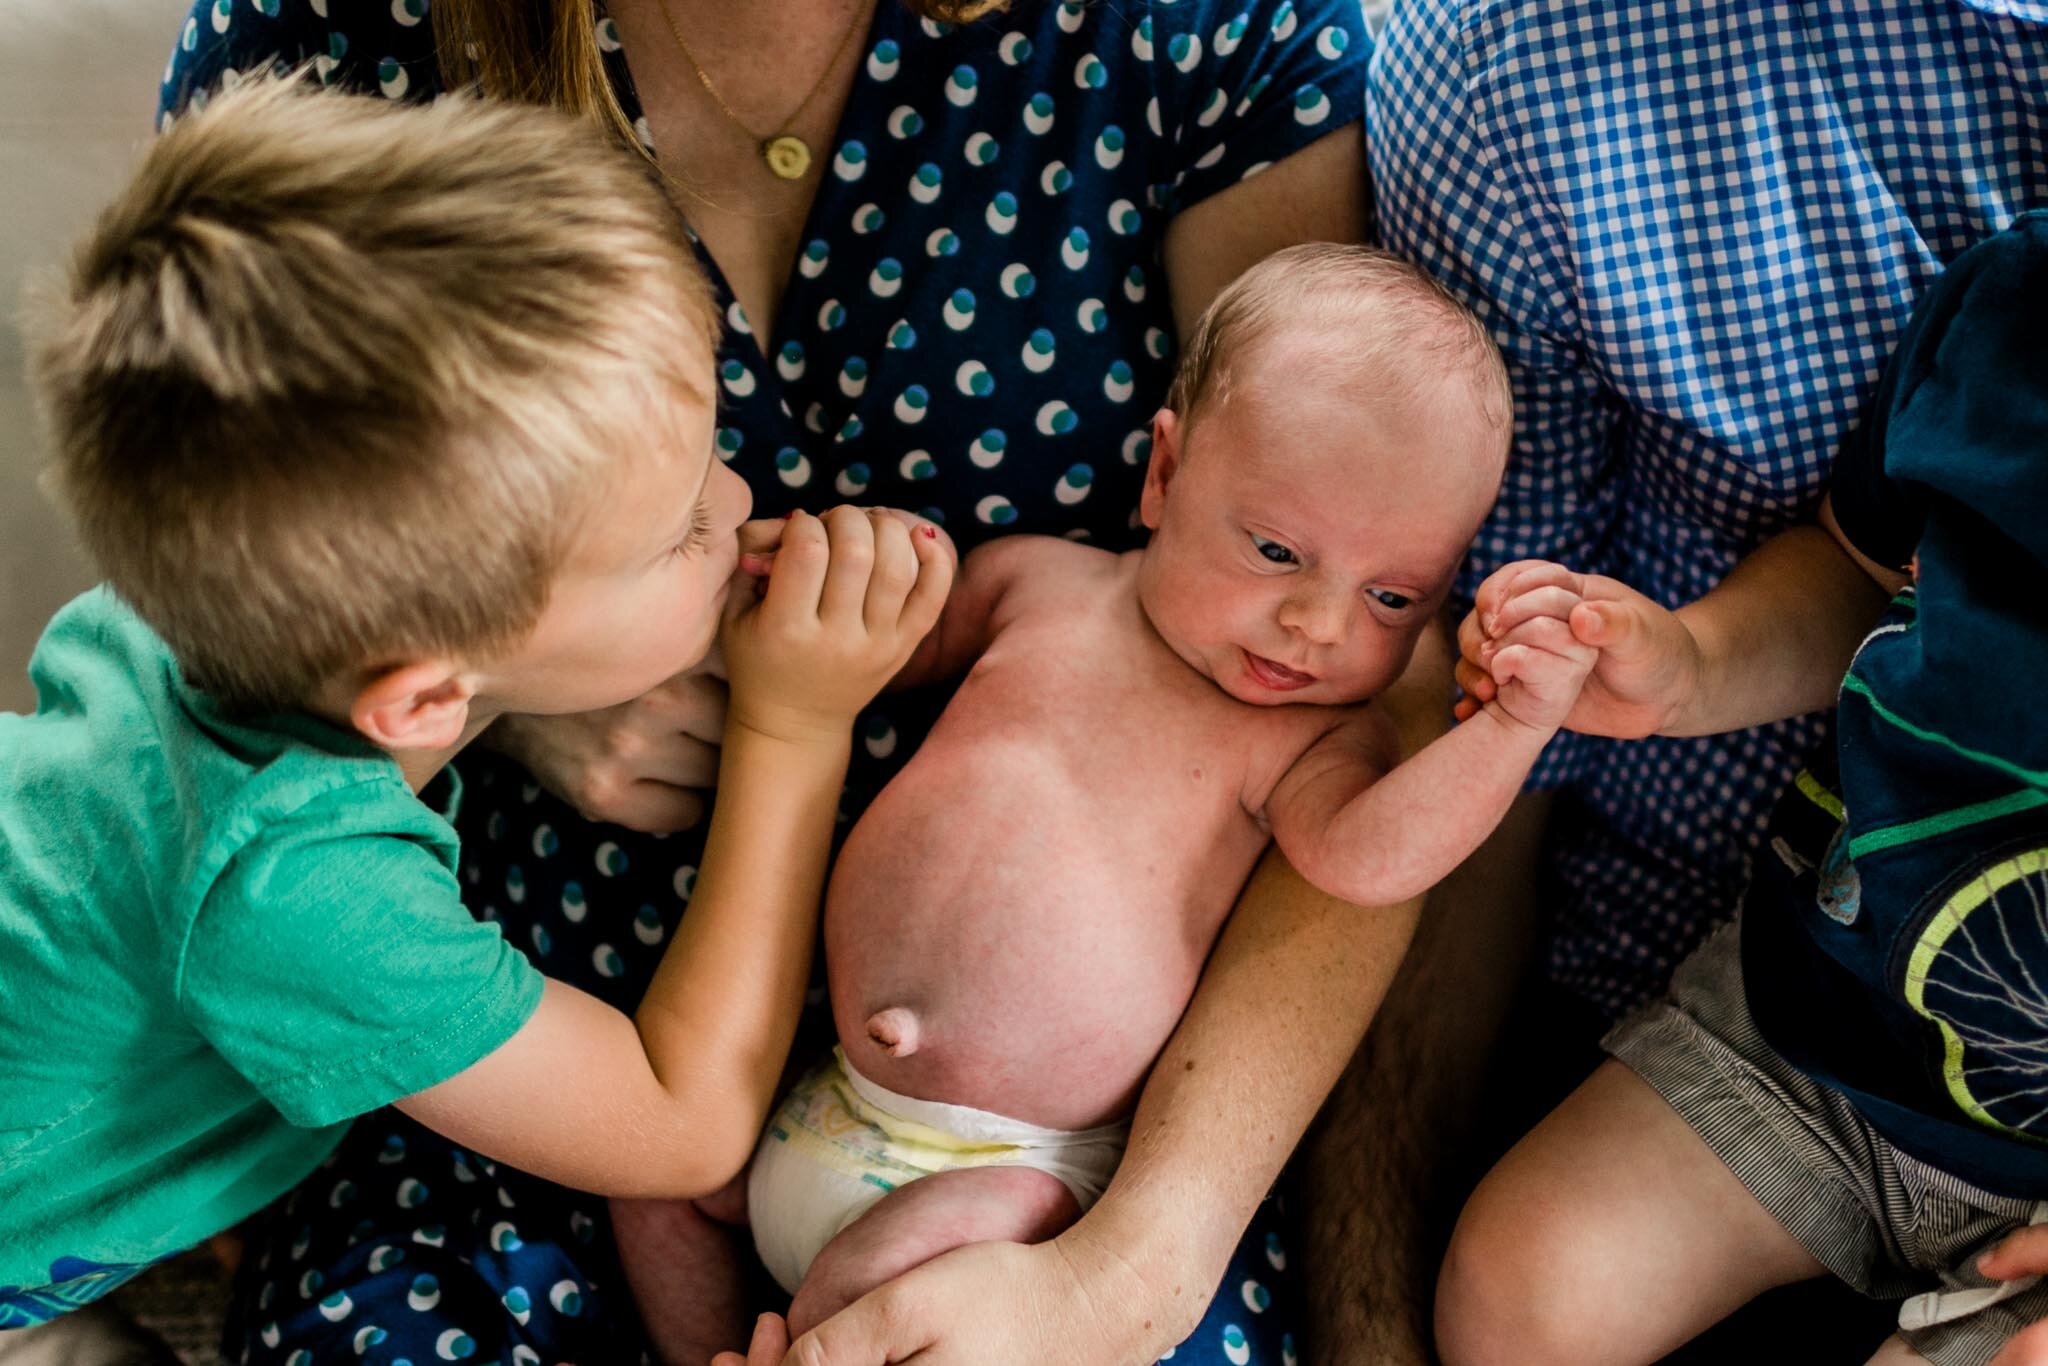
x=1772, y=640
x=967, y=624
x=669, y=1102
x=1376, y=835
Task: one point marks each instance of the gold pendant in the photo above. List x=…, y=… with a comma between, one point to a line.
x=788, y=156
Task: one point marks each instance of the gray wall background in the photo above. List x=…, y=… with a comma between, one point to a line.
x=78, y=87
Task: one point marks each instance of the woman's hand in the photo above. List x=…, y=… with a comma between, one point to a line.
x=648, y=764
x=1062, y=1300
x=847, y=599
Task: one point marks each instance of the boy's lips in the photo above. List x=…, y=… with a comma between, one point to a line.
x=1275, y=675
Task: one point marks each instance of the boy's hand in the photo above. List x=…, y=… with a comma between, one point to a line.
x=851, y=595
x=1648, y=665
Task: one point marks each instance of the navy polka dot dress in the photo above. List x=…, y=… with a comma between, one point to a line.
x=977, y=328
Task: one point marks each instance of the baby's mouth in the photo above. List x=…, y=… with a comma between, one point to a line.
x=1272, y=674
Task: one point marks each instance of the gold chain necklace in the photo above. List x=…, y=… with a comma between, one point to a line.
x=787, y=155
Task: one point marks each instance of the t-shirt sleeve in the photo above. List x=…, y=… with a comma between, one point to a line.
x=1958, y=413
x=333, y=964
x=368, y=48
x=1877, y=514
x=1245, y=83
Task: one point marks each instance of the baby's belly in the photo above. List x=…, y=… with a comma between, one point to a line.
x=1026, y=944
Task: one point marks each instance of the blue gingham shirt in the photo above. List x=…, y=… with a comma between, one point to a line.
x=1695, y=229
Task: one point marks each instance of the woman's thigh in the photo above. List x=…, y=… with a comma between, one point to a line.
x=403, y=1247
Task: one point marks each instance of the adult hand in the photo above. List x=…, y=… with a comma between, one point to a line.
x=2024, y=1253
x=648, y=764
x=1649, y=664
x=1062, y=1300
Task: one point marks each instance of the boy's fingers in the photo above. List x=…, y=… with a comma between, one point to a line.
x=895, y=571
x=2022, y=1253
x=1476, y=682
x=852, y=536
x=800, y=565
x=1471, y=635
x=935, y=567
x=760, y=536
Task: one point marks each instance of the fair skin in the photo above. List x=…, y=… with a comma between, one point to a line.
x=1133, y=1274
x=667, y=1102
x=1613, y=1198
x=1145, y=695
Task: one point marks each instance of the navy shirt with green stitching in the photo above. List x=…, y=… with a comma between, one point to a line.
x=1895, y=944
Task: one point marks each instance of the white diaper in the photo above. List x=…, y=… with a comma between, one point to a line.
x=839, y=1143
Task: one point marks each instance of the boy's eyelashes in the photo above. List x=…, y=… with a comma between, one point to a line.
x=699, y=534
x=1276, y=553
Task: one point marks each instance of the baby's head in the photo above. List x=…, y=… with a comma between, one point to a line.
x=1333, y=440
x=374, y=410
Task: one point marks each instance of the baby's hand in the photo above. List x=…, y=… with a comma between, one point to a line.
x=1534, y=663
x=1646, y=665
x=851, y=595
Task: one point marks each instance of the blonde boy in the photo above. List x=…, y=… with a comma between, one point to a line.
x=382, y=422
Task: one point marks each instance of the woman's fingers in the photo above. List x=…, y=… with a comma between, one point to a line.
x=852, y=535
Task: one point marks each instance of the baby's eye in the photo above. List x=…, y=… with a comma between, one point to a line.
x=1389, y=599
x=699, y=534
x=1273, y=550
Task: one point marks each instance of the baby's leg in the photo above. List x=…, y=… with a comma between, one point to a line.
x=915, y=1223
x=1610, y=1234
x=688, y=1272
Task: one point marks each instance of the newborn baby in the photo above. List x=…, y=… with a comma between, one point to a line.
x=1016, y=924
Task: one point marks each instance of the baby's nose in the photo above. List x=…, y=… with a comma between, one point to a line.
x=1323, y=618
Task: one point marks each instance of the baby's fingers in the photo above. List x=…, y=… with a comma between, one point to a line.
x=1510, y=579
x=1542, y=600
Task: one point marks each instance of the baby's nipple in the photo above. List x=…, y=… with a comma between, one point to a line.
x=894, y=1029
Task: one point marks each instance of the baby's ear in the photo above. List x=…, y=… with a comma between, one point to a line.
x=1167, y=433
x=422, y=705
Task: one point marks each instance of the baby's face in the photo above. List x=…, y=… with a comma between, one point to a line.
x=1303, y=540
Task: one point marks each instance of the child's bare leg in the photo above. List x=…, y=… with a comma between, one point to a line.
x=1895, y=1352
x=688, y=1273
x=1611, y=1234
x=915, y=1223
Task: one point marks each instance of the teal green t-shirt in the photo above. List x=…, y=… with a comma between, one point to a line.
x=220, y=939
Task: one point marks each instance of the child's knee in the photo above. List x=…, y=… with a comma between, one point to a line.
x=1507, y=1291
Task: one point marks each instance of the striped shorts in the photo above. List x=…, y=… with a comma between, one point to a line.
x=1885, y=1222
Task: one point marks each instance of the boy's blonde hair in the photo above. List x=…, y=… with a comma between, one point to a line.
x=1400, y=329
x=333, y=380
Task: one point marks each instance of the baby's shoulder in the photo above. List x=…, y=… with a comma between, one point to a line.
x=1032, y=561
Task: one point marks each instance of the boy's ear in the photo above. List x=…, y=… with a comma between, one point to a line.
x=1167, y=433
x=417, y=706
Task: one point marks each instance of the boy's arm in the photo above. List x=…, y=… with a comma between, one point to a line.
x=670, y=1102
x=1771, y=640
x=1376, y=835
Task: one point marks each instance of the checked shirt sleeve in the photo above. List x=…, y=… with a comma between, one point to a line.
x=1450, y=200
